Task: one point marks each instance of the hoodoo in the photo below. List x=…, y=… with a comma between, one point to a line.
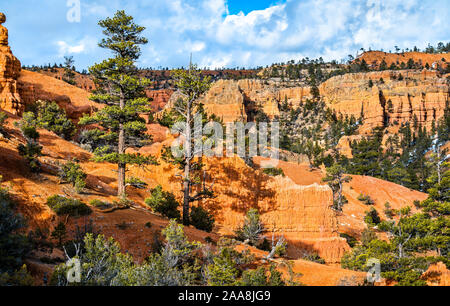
x=9, y=72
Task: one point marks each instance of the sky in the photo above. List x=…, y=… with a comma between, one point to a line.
x=225, y=33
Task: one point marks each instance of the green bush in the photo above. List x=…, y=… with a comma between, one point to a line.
x=273, y=171
x=169, y=118
x=122, y=203
x=366, y=199
x=72, y=173
x=201, y=219
x=31, y=150
x=100, y=204
x=164, y=203
x=14, y=246
x=367, y=236
x=135, y=182
x=65, y=206
x=262, y=277
x=372, y=218
x=388, y=211
x=2, y=122
x=252, y=228
x=51, y=117
x=314, y=257
x=352, y=241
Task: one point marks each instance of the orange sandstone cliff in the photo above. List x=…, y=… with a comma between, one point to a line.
x=394, y=98
x=10, y=68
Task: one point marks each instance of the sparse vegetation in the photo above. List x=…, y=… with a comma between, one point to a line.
x=65, y=206
x=51, y=117
x=100, y=204
x=72, y=173
x=366, y=199
x=14, y=246
x=3, y=118
x=372, y=217
x=31, y=150
x=252, y=228
x=164, y=203
x=201, y=219
x=273, y=171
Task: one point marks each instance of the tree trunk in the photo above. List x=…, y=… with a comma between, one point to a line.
x=121, y=150
x=187, y=167
x=340, y=196
x=186, y=187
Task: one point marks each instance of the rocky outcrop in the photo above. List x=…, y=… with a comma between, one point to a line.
x=34, y=86
x=10, y=67
x=437, y=275
x=302, y=214
x=225, y=99
x=383, y=98
x=394, y=97
x=159, y=98
x=240, y=100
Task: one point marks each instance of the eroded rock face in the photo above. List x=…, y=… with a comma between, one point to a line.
x=302, y=214
x=239, y=100
x=159, y=98
x=9, y=72
x=386, y=97
x=34, y=86
x=395, y=97
x=225, y=99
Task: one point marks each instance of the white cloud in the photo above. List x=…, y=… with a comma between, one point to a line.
x=85, y=45
x=290, y=29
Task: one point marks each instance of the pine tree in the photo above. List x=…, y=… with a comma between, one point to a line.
x=69, y=75
x=59, y=233
x=122, y=90
x=31, y=150
x=336, y=178
x=191, y=85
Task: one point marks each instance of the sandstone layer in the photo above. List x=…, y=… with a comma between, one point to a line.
x=395, y=97
x=383, y=98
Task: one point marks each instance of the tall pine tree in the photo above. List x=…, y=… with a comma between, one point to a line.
x=122, y=90
x=191, y=86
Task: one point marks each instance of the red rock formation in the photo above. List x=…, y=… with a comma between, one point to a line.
x=437, y=275
x=421, y=94
x=9, y=72
x=395, y=97
x=159, y=98
x=35, y=86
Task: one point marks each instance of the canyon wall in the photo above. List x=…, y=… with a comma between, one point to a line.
x=386, y=97
x=302, y=214
x=389, y=97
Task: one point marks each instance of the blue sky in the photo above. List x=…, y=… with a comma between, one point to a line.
x=226, y=33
